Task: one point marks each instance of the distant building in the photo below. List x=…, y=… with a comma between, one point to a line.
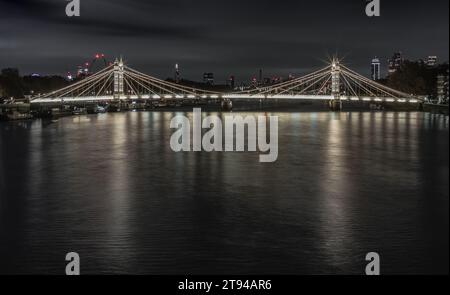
x=80, y=71
x=208, y=78
x=395, y=62
x=276, y=80
x=254, y=82
x=376, y=69
x=177, y=73
x=232, y=82
x=443, y=88
x=431, y=61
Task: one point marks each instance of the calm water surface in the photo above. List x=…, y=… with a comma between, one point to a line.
x=110, y=188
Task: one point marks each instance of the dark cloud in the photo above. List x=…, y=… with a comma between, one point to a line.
x=228, y=37
x=123, y=29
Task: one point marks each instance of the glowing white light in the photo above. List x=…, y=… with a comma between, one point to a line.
x=312, y=97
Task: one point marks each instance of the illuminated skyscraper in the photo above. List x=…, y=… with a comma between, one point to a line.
x=208, y=78
x=443, y=88
x=376, y=69
x=177, y=73
x=395, y=62
x=432, y=60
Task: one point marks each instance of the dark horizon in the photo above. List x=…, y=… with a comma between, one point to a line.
x=229, y=38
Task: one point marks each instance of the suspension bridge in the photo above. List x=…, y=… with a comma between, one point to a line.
x=335, y=83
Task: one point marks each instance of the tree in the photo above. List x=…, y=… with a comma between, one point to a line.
x=2, y=91
x=416, y=78
x=12, y=83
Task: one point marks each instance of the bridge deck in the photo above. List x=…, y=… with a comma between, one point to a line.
x=225, y=96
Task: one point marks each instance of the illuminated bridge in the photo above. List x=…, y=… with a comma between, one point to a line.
x=335, y=83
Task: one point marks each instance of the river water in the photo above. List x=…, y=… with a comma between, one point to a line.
x=110, y=188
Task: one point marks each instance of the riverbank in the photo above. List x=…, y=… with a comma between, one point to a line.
x=36, y=111
x=436, y=109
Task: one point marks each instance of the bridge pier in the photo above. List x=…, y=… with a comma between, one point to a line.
x=336, y=105
x=227, y=104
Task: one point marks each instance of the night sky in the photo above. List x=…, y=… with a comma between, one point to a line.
x=227, y=37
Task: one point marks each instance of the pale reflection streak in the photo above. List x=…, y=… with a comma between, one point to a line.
x=36, y=155
x=337, y=236
x=118, y=225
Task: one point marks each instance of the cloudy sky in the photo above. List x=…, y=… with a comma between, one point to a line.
x=227, y=37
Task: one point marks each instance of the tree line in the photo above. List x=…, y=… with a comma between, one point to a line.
x=415, y=77
x=12, y=85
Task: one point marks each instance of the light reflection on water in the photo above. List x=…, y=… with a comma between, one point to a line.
x=110, y=188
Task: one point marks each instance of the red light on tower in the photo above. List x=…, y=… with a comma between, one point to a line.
x=97, y=56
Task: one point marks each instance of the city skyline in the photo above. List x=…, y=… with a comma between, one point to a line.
x=227, y=40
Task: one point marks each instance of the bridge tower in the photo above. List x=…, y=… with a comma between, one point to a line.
x=336, y=103
x=118, y=78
